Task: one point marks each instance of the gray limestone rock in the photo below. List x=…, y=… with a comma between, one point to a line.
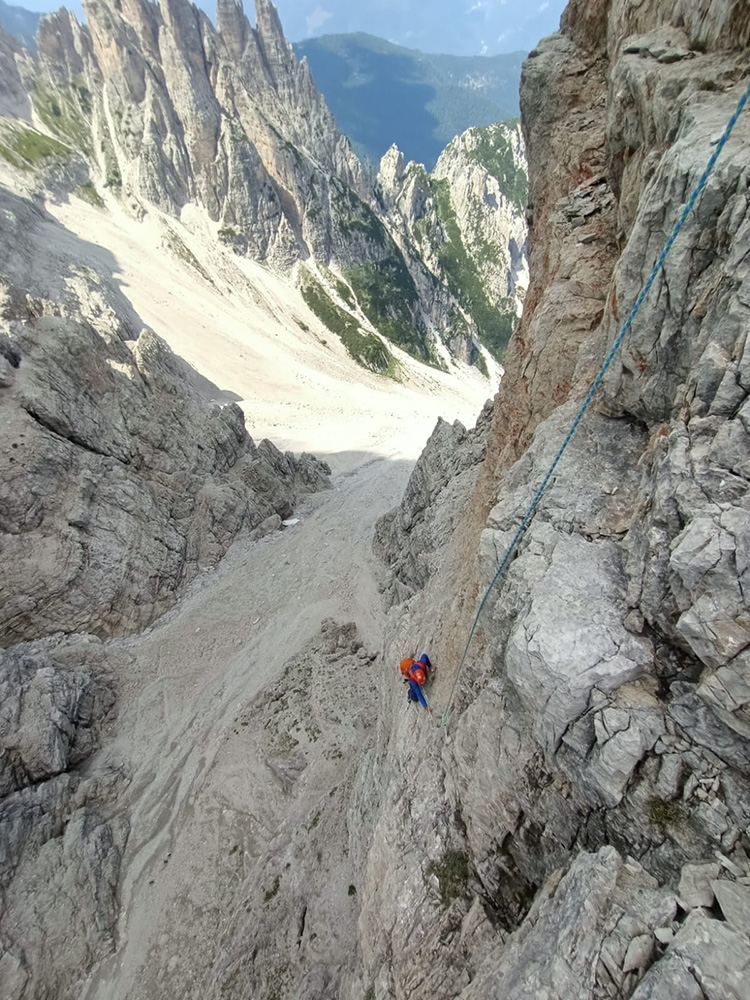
x=49, y=716
x=437, y=490
x=118, y=483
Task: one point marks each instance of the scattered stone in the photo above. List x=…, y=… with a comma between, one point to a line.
x=695, y=884
x=639, y=953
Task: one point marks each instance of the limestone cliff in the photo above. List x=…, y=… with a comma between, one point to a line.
x=466, y=221
x=585, y=830
x=582, y=829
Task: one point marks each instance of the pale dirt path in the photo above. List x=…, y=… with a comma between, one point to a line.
x=182, y=686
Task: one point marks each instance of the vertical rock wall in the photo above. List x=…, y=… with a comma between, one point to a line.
x=585, y=830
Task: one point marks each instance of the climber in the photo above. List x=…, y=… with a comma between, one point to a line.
x=415, y=673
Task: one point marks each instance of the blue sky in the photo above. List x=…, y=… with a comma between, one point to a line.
x=461, y=27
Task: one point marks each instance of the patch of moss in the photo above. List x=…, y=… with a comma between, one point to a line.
x=273, y=891
x=481, y=365
x=32, y=146
x=367, y=349
x=87, y=192
x=452, y=872
x=665, y=814
x=352, y=890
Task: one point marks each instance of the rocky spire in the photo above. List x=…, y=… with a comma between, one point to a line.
x=278, y=53
x=232, y=25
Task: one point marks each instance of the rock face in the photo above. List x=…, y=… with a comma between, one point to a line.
x=60, y=846
x=467, y=222
x=118, y=483
x=487, y=175
x=589, y=813
x=186, y=112
x=13, y=100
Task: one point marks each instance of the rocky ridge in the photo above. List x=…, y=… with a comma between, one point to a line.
x=119, y=483
x=467, y=221
x=169, y=111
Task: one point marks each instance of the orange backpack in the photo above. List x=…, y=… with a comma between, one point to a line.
x=406, y=666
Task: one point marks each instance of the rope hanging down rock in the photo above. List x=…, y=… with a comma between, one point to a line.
x=596, y=383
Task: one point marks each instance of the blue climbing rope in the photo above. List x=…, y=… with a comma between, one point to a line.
x=597, y=382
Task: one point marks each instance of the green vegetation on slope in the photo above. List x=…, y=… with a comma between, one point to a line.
x=24, y=146
x=453, y=872
x=495, y=326
x=384, y=287
x=65, y=111
x=386, y=292
x=367, y=349
x=87, y=192
x=495, y=154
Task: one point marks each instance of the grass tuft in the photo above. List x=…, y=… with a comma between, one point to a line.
x=88, y=193
x=273, y=891
x=665, y=814
x=452, y=872
x=30, y=147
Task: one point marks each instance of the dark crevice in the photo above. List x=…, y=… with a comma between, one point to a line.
x=301, y=930
x=72, y=438
x=9, y=352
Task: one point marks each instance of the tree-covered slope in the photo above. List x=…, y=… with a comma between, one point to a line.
x=382, y=94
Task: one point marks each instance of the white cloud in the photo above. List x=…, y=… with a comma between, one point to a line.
x=477, y=6
x=317, y=19
x=544, y=6
x=483, y=49
x=502, y=36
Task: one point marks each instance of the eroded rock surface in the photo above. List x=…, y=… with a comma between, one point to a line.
x=590, y=809
x=118, y=482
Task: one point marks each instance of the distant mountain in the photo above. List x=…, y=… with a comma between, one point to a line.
x=19, y=22
x=382, y=94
